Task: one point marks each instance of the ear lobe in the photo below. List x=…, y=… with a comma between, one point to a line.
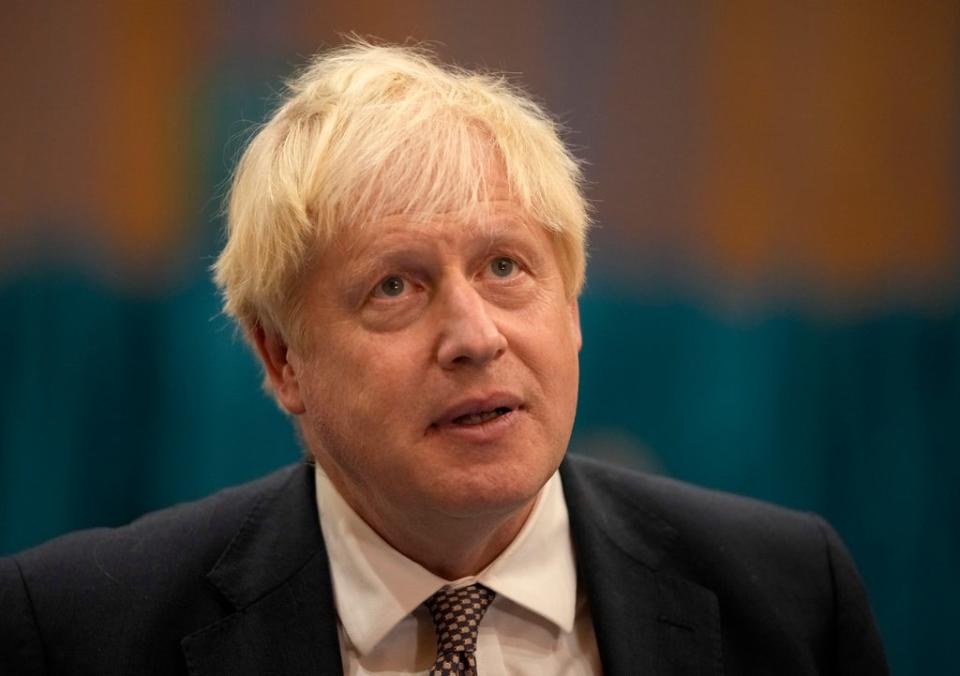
x=280, y=368
x=575, y=318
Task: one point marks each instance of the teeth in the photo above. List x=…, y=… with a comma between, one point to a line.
x=477, y=418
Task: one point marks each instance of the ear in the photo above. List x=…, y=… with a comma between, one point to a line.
x=282, y=368
x=575, y=318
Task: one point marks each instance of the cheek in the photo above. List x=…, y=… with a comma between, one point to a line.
x=363, y=388
x=549, y=335
x=556, y=355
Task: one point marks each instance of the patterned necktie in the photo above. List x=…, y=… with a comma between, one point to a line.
x=456, y=616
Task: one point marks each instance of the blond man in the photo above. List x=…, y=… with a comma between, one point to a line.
x=405, y=251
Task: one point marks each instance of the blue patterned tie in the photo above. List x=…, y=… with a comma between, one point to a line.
x=456, y=616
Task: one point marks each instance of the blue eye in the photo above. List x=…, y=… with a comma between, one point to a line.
x=392, y=286
x=503, y=266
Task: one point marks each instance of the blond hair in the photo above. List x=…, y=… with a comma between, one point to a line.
x=370, y=130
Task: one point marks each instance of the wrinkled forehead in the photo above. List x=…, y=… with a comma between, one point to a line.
x=461, y=182
x=420, y=195
x=488, y=221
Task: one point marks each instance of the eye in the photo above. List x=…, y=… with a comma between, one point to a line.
x=503, y=266
x=391, y=287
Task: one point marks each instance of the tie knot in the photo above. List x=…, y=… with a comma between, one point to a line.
x=457, y=614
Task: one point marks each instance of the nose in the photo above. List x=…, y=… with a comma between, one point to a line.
x=468, y=333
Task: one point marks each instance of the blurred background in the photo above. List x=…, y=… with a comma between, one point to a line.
x=773, y=304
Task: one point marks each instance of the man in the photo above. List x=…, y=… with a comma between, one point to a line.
x=405, y=253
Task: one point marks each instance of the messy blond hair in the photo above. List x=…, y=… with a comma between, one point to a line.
x=366, y=131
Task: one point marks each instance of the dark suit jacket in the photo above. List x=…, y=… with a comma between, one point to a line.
x=680, y=581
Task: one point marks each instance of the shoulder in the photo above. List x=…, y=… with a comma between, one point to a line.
x=614, y=489
x=776, y=573
x=145, y=580
x=190, y=534
x=717, y=538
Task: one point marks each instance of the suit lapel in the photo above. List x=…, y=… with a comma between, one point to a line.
x=647, y=620
x=276, y=579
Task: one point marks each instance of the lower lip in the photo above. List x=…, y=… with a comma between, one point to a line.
x=485, y=432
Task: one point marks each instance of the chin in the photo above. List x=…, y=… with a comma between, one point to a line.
x=479, y=494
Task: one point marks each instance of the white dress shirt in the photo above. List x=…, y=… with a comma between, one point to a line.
x=539, y=622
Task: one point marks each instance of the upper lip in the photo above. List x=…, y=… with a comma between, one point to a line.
x=478, y=405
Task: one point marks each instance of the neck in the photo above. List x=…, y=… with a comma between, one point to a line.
x=448, y=546
x=468, y=545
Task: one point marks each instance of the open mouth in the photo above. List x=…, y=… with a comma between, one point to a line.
x=481, y=417
x=482, y=414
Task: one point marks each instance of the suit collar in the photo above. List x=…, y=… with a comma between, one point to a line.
x=647, y=617
x=275, y=577
x=278, y=538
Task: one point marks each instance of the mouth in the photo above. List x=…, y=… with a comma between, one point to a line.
x=481, y=417
x=477, y=412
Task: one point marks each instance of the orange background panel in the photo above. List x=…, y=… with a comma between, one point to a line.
x=759, y=149
x=831, y=152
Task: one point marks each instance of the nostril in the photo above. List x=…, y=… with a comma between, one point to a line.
x=458, y=349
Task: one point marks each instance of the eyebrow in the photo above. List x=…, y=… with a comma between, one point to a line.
x=363, y=268
x=392, y=246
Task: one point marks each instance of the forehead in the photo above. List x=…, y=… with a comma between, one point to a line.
x=493, y=221
x=493, y=218
x=401, y=244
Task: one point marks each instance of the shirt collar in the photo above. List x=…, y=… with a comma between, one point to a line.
x=375, y=586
